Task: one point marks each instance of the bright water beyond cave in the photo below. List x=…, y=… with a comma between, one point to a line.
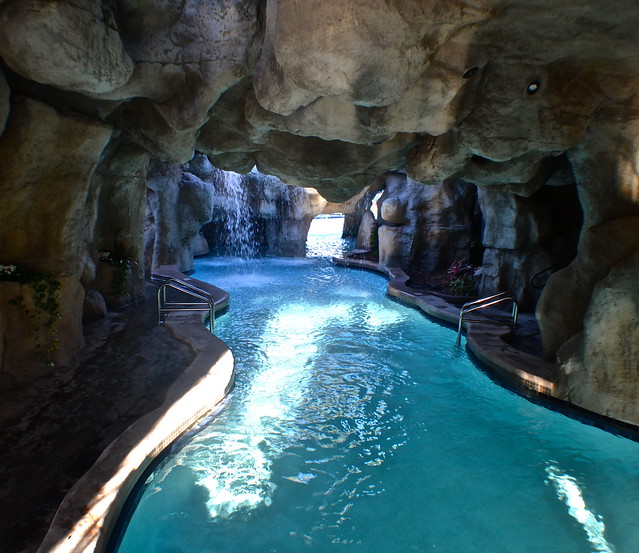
x=356, y=426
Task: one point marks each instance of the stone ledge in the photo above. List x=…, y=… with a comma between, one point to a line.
x=167, y=272
x=89, y=512
x=485, y=341
x=533, y=377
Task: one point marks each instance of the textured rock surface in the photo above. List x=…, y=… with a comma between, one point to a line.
x=325, y=94
x=94, y=306
x=255, y=214
x=241, y=215
x=74, y=46
x=608, y=183
x=187, y=54
x=524, y=236
x=178, y=204
x=367, y=237
x=602, y=367
x=56, y=159
x=45, y=188
x=563, y=304
x=424, y=227
x=357, y=73
x=119, y=189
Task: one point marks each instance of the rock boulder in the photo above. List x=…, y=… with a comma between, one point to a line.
x=602, y=366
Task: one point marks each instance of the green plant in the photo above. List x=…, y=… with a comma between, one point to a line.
x=45, y=297
x=462, y=286
x=461, y=278
x=121, y=269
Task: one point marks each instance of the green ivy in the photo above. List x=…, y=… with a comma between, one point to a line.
x=45, y=294
x=121, y=269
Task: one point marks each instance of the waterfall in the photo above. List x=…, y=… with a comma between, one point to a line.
x=234, y=215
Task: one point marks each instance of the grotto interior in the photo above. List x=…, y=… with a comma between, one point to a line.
x=119, y=118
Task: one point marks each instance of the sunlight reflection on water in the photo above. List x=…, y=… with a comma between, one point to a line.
x=355, y=426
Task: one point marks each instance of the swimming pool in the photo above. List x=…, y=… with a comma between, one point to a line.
x=357, y=426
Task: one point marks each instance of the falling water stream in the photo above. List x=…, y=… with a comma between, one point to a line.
x=236, y=216
x=356, y=426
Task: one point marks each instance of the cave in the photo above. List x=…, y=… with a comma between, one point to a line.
x=501, y=133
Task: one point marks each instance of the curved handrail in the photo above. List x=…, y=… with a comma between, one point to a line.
x=555, y=267
x=489, y=301
x=193, y=287
x=166, y=306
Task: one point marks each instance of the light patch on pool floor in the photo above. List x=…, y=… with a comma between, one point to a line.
x=234, y=458
x=570, y=493
x=378, y=317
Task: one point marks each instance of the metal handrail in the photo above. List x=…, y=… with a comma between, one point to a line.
x=166, y=306
x=534, y=280
x=489, y=301
x=191, y=286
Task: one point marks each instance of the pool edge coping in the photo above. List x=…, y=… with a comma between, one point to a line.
x=89, y=511
x=87, y=515
x=526, y=374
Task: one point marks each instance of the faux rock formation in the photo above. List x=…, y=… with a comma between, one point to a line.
x=256, y=214
x=94, y=306
x=326, y=95
x=178, y=204
x=196, y=209
x=565, y=299
x=602, y=364
x=74, y=47
x=515, y=237
x=118, y=189
x=424, y=227
x=43, y=222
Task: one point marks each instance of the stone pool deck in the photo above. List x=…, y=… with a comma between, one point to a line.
x=74, y=444
x=88, y=514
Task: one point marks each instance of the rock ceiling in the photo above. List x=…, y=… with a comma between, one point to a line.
x=331, y=93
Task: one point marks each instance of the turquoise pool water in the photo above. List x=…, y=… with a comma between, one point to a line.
x=357, y=426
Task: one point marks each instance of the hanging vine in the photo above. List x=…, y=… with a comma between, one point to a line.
x=45, y=298
x=121, y=269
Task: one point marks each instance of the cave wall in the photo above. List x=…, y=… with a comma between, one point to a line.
x=490, y=92
x=527, y=236
x=424, y=228
x=119, y=188
x=45, y=186
x=178, y=204
x=256, y=214
x=196, y=208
